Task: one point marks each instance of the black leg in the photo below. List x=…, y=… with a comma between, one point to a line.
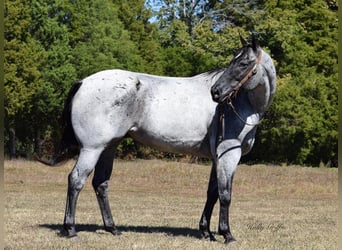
x=70, y=210
x=212, y=196
x=83, y=167
x=102, y=198
x=225, y=199
x=103, y=171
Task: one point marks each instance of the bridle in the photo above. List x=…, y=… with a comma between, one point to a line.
x=252, y=72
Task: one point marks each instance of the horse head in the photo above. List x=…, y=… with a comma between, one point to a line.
x=242, y=72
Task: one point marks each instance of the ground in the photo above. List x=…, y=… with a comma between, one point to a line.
x=158, y=204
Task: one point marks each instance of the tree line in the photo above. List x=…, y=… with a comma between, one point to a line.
x=50, y=44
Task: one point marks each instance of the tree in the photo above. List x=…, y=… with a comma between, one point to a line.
x=136, y=20
x=24, y=58
x=301, y=126
x=51, y=44
x=58, y=73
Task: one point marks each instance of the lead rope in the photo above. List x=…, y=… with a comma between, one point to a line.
x=222, y=120
x=230, y=104
x=221, y=124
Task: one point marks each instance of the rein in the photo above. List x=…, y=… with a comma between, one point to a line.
x=252, y=72
x=240, y=118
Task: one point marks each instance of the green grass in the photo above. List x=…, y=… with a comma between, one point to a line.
x=158, y=204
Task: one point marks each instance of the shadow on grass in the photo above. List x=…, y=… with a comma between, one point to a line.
x=171, y=231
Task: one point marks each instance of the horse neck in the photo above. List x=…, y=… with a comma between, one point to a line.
x=211, y=76
x=261, y=96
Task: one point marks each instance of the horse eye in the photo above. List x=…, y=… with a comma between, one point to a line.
x=243, y=64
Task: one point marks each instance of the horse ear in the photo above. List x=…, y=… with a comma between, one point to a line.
x=243, y=41
x=255, y=44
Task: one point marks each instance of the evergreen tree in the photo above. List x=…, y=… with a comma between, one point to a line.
x=58, y=73
x=51, y=44
x=23, y=61
x=301, y=126
x=136, y=20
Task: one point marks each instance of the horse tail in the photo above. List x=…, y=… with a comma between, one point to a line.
x=69, y=138
x=69, y=146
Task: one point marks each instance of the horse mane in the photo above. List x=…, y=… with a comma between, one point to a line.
x=212, y=73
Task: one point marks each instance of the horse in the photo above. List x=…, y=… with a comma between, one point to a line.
x=214, y=114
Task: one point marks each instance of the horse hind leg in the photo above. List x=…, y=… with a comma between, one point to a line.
x=76, y=179
x=103, y=171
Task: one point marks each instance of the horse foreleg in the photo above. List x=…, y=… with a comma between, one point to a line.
x=228, y=155
x=212, y=196
x=103, y=171
x=83, y=167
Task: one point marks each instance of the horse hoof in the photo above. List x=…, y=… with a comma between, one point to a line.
x=68, y=233
x=113, y=230
x=229, y=239
x=212, y=238
x=208, y=236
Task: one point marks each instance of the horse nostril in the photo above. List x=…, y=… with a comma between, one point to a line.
x=215, y=93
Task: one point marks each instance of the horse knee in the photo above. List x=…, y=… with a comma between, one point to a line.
x=225, y=197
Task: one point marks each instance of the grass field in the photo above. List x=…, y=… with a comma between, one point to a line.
x=158, y=204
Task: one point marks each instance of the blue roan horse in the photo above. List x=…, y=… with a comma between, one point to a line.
x=212, y=115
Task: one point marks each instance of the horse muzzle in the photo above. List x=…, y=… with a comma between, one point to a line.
x=218, y=95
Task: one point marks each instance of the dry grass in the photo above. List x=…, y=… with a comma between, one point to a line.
x=157, y=205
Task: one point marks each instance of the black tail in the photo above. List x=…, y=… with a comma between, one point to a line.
x=69, y=146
